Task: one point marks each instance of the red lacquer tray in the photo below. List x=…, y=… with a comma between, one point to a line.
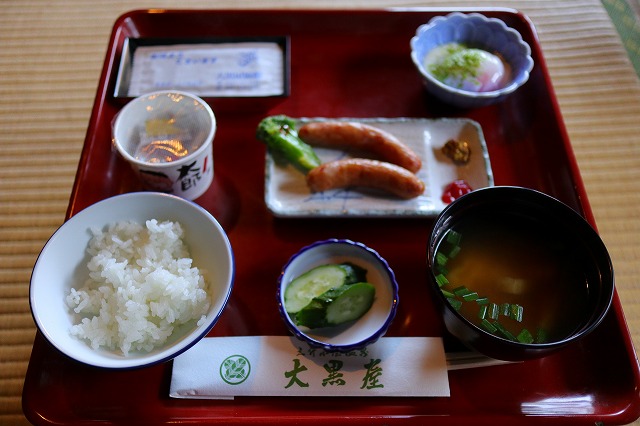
x=342, y=64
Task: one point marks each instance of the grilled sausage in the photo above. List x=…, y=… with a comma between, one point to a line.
x=362, y=137
x=365, y=173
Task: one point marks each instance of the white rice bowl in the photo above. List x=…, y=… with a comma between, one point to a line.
x=133, y=280
x=141, y=285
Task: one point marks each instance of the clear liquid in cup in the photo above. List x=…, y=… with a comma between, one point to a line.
x=161, y=141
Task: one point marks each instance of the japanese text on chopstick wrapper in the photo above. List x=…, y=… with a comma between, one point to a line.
x=225, y=367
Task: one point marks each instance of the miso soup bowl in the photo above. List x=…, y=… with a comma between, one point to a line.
x=525, y=207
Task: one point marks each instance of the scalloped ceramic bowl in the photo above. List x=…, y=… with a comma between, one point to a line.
x=473, y=30
x=361, y=332
x=62, y=264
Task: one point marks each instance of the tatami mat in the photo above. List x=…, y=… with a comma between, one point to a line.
x=51, y=55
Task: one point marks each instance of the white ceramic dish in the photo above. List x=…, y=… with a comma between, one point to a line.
x=287, y=195
x=62, y=265
x=362, y=332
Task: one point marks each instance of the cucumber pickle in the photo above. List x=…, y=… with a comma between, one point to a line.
x=329, y=295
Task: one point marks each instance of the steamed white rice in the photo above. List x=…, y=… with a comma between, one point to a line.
x=141, y=286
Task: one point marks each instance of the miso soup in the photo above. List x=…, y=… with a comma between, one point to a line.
x=513, y=277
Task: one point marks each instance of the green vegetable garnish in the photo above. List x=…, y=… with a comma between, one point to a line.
x=482, y=313
x=279, y=134
x=461, y=291
x=441, y=259
x=488, y=326
x=482, y=300
x=470, y=297
x=454, y=252
x=460, y=64
x=516, y=312
x=454, y=237
x=455, y=303
x=448, y=294
x=488, y=312
x=525, y=336
x=505, y=333
x=505, y=309
x=541, y=336
x=441, y=280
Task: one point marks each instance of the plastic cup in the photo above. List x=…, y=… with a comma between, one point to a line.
x=167, y=138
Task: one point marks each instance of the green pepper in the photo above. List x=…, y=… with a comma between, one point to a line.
x=279, y=133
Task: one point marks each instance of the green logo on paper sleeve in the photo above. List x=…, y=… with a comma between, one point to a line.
x=235, y=369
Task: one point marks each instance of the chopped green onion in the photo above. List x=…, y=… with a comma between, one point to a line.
x=525, y=337
x=494, y=311
x=506, y=333
x=447, y=294
x=441, y=280
x=487, y=309
x=505, y=309
x=454, y=237
x=516, y=312
x=488, y=326
x=461, y=291
x=454, y=252
x=455, y=303
x=469, y=297
x=482, y=313
x=541, y=336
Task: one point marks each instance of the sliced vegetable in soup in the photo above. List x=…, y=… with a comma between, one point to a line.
x=518, y=280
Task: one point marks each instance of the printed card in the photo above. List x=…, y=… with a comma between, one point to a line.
x=244, y=69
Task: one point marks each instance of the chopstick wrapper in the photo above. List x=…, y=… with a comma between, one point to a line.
x=224, y=367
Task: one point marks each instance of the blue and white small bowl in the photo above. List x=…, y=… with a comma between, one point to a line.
x=363, y=331
x=474, y=30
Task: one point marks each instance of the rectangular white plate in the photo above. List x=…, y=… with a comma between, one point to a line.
x=287, y=195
